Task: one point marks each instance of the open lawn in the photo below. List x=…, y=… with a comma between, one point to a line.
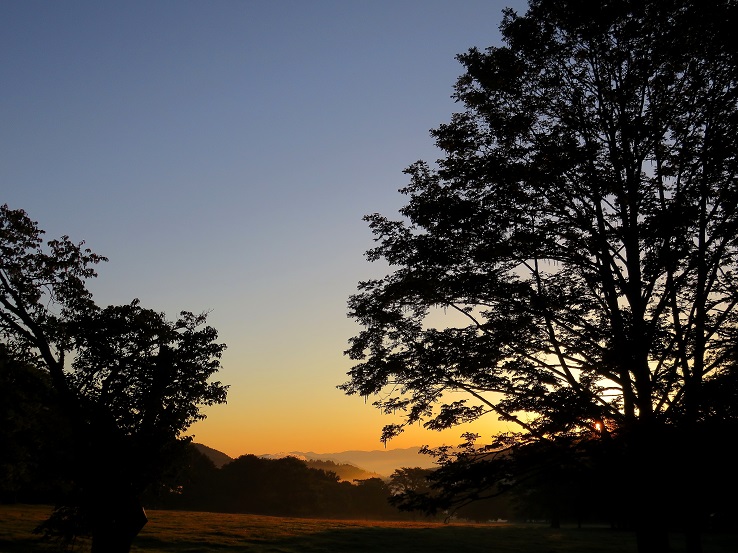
x=191, y=532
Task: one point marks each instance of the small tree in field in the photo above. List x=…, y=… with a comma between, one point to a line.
x=583, y=224
x=127, y=382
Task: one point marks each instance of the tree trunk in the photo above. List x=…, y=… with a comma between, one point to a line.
x=117, y=525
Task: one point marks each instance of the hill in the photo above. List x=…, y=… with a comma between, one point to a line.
x=349, y=465
x=382, y=462
x=217, y=457
x=345, y=471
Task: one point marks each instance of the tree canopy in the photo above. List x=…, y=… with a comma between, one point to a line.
x=581, y=223
x=124, y=380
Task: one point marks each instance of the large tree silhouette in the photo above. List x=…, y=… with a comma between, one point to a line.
x=582, y=226
x=126, y=381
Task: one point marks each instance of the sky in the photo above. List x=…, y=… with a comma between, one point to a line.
x=222, y=155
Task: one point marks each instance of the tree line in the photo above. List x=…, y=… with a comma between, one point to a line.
x=279, y=487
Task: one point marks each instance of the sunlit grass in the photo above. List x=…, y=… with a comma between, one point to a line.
x=192, y=532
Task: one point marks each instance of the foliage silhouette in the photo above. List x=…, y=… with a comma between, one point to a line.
x=581, y=228
x=124, y=381
x=277, y=487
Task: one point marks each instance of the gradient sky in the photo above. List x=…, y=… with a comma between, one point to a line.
x=222, y=155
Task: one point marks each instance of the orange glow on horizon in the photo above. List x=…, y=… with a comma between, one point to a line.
x=358, y=429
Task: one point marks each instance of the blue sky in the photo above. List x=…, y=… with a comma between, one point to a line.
x=222, y=155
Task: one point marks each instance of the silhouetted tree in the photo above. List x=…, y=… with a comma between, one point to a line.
x=409, y=479
x=284, y=487
x=582, y=228
x=408, y=483
x=128, y=381
x=189, y=483
x=371, y=496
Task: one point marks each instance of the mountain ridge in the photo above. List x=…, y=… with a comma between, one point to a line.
x=379, y=461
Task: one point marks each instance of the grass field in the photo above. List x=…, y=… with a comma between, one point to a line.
x=189, y=532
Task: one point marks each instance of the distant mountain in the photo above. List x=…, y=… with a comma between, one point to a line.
x=217, y=457
x=382, y=462
x=345, y=471
x=349, y=465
